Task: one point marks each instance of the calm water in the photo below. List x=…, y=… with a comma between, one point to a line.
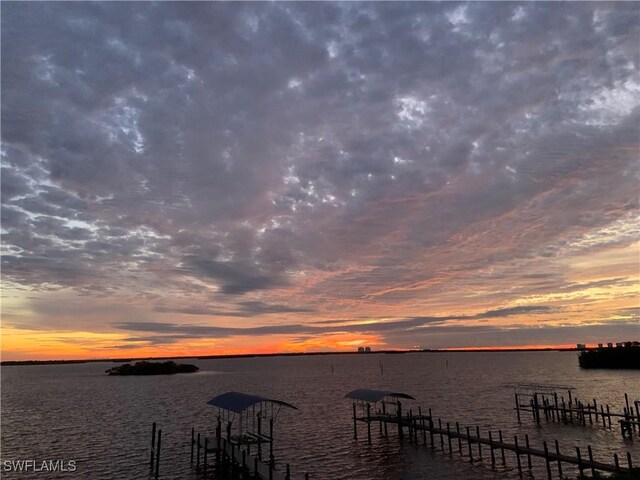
x=76, y=412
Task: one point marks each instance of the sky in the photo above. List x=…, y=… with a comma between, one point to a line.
x=198, y=178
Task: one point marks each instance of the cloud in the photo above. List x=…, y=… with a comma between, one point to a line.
x=317, y=161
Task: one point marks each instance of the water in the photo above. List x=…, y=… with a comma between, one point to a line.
x=76, y=412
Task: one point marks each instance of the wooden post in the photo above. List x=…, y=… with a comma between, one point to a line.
x=255, y=467
x=399, y=413
x=441, y=438
x=384, y=412
x=260, y=436
x=609, y=415
x=288, y=474
x=158, y=454
x=580, y=467
x=536, y=406
x=153, y=444
x=459, y=438
x=515, y=438
x=501, y=447
x=271, y=437
x=570, y=407
x=469, y=444
x=369, y=423
x=555, y=404
x=244, y=463
x=219, y=446
x=271, y=466
x=449, y=437
x=546, y=459
x=192, y=442
x=493, y=457
x=198, y=453
x=517, y=407
x=629, y=460
x=559, y=462
x=479, y=443
x=593, y=470
x=355, y=425
x=616, y=462
x=410, y=427
x=526, y=443
x=431, y=428
x=604, y=420
x=424, y=431
x=204, y=459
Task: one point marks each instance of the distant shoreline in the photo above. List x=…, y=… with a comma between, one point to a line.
x=7, y=363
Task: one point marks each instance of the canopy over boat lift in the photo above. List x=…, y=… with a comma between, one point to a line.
x=250, y=411
x=364, y=398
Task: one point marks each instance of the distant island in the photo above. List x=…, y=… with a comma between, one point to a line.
x=152, y=368
x=625, y=356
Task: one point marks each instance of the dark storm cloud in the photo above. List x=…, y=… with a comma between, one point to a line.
x=327, y=153
x=234, y=278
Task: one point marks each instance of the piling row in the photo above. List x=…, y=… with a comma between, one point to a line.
x=234, y=461
x=555, y=408
x=455, y=437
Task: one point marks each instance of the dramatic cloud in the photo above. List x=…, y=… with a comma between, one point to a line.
x=269, y=166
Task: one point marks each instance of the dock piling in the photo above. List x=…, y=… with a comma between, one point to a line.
x=515, y=439
x=493, y=457
x=559, y=462
x=546, y=459
x=157, y=473
x=153, y=444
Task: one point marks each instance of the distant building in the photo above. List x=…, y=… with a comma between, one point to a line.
x=599, y=345
x=360, y=349
x=367, y=349
x=609, y=345
x=581, y=346
x=618, y=344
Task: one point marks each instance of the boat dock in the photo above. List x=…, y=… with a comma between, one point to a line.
x=555, y=408
x=385, y=408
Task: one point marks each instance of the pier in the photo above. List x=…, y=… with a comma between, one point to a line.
x=242, y=445
x=371, y=407
x=555, y=408
x=243, y=449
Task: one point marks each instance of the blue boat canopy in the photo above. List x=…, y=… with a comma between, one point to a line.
x=373, y=396
x=238, y=402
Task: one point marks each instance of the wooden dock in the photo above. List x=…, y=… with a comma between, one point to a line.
x=232, y=462
x=244, y=452
x=470, y=443
x=554, y=408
